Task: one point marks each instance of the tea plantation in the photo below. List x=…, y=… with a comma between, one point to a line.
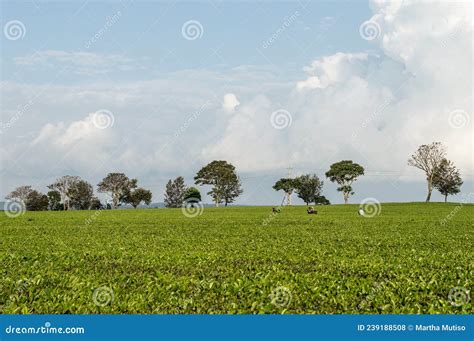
x=410, y=258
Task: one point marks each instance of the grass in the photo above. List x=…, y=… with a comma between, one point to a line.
x=226, y=261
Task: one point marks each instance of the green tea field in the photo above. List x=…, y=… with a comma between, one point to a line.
x=410, y=258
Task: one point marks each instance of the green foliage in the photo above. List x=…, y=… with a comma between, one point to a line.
x=402, y=261
x=221, y=175
x=118, y=186
x=96, y=204
x=174, y=193
x=344, y=173
x=36, y=201
x=321, y=200
x=447, y=179
x=54, y=201
x=80, y=195
x=192, y=195
x=137, y=196
x=308, y=187
x=286, y=185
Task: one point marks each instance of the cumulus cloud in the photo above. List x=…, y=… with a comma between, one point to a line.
x=230, y=102
x=373, y=107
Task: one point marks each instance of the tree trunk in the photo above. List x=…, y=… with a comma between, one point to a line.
x=430, y=188
x=445, y=198
x=346, y=198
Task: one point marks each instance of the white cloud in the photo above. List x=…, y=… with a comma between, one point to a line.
x=230, y=102
x=373, y=108
x=85, y=63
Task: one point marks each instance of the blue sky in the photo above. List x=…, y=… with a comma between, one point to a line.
x=233, y=33
x=175, y=101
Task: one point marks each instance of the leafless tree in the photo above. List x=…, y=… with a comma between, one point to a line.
x=63, y=185
x=428, y=158
x=20, y=193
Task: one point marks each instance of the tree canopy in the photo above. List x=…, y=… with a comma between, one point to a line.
x=222, y=177
x=308, y=187
x=137, y=196
x=447, y=179
x=174, y=193
x=117, y=185
x=344, y=173
x=428, y=158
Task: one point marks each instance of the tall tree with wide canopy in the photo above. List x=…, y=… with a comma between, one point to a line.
x=428, y=158
x=286, y=185
x=447, y=179
x=222, y=177
x=117, y=185
x=308, y=187
x=344, y=173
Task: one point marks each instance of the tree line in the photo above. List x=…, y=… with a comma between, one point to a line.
x=72, y=192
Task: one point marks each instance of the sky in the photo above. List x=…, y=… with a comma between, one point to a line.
x=157, y=89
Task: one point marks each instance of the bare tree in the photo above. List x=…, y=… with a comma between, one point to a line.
x=63, y=185
x=428, y=158
x=20, y=193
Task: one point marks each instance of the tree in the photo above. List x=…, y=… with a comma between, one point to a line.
x=117, y=185
x=135, y=197
x=447, y=179
x=308, y=187
x=321, y=200
x=36, y=201
x=287, y=185
x=80, y=194
x=428, y=158
x=192, y=195
x=20, y=193
x=174, y=194
x=63, y=186
x=231, y=188
x=96, y=204
x=221, y=175
x=54, y=201
x=344, y=173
